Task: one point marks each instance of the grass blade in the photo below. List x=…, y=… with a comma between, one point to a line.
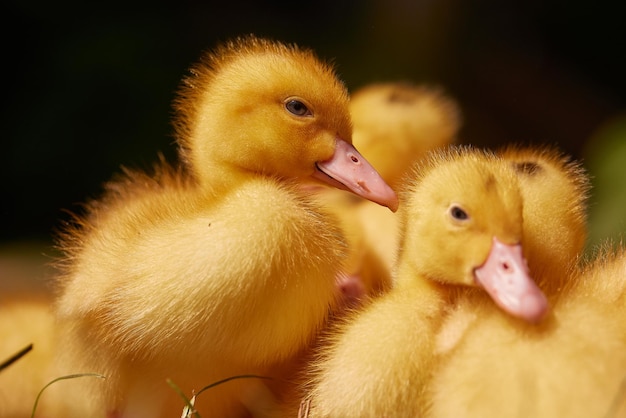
x=228, y=379
x=71, y=376
x=190, y=410
x=15, y=357
x=188, y=403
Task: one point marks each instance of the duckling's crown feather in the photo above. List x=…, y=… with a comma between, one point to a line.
x=434, y=158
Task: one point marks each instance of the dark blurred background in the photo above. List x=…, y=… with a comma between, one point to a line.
x=89, y=87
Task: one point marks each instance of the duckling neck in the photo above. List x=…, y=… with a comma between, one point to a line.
x=431, y=294
x=221, y=177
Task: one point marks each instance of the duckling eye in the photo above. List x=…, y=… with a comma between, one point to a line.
x=458, y=213
x=297, y=108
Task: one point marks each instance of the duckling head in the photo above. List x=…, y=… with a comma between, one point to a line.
x=263, y=107
x=462, y=225
x=396, y=123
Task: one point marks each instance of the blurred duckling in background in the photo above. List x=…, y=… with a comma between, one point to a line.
x=24, y=323
x=394, y=125
x=397, y=123
x=28, y=334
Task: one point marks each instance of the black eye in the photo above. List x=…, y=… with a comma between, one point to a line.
x=297, y=108
x=458, y=213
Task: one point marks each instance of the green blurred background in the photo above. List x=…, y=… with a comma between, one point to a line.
x=89, y=86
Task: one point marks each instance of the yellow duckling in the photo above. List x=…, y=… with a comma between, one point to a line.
x=554, y=189
x=223, y=267
x=461, y=236
x=394, y=125
x=574, y=363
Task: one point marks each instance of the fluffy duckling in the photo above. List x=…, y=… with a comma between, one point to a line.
x=573, y=364
x=394, y=125
x=226, y=266
x=462, y=233
x=554, y=189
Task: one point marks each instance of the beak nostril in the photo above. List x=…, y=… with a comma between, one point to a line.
x=505, y=266
x=354, y=158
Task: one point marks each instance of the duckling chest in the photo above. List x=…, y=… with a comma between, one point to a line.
x=275, y=227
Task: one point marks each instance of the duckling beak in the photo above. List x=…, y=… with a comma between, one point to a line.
x=504, y=276
x=348, y=170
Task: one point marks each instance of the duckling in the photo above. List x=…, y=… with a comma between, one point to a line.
x=224, y=266
x=555, y=189
x=461, y=236
x=395, y=124
x=574, y=363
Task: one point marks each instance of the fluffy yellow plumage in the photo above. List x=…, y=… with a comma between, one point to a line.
x=462, y=215
x=574, y=363
x=225, y=266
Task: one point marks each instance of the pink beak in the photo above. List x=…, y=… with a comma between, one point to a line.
x=348, y=170
x=504, y=276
